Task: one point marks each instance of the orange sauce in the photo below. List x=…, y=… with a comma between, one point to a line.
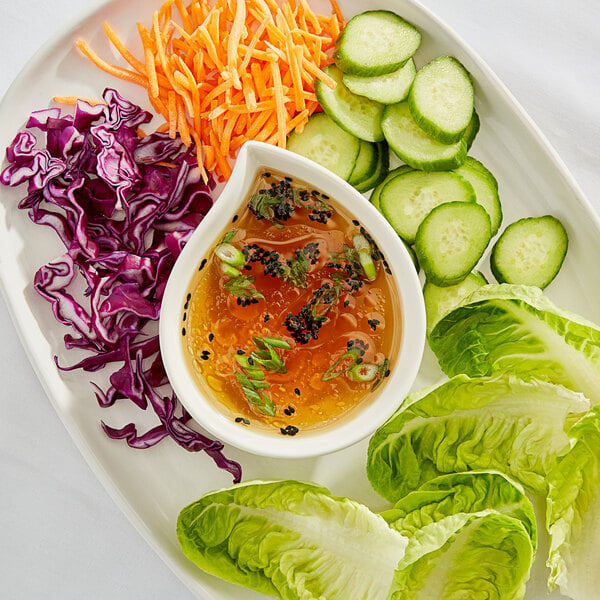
x=345, y=310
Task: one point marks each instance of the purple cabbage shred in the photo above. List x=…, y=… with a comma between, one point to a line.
x=123, y=206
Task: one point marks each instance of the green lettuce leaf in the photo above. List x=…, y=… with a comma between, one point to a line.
x=291, y=539
x=573, y=513
x=487, y=557
x=517, y=329
x=487, y=423
x=426, y=514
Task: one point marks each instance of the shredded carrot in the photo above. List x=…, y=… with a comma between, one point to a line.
x=222, y=72
x=72, y=100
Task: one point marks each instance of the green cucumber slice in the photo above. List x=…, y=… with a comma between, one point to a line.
x=414, y=147
x=530, y=251
x=439, y=300
x=376, y=193
x=356, y=114
x=441, y=99
x=410, y=196
x=387, y=89
x=380, y=171
x=486, y=189
x=451, y=240
x=472, y=129
x=376, y=42
x=365, y=164
x=326, y=143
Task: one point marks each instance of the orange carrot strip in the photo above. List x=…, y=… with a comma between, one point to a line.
x=185, y=16
x=281, y=112
x=71, y=100
x=182, y=123
x=318, y=73
x=138, y=65
x=337, y=12
x=310, y=16
x=252, y=45
x=172, y=113
x=151, y=73
x=119, y=72
x=298, y=121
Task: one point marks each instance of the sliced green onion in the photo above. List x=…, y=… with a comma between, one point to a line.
x=229, y=270
x=365, y=255
x=252, y=371
x=363, y=372
x=229, y=254
x=263, y=342
x=332, y=373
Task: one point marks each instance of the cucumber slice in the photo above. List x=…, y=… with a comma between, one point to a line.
x=441, y=99
x=365, y=164
x=356, y=114
x=414, y=147
x=376, y=42
x=376, y=193
x=409, y=197
x=387, y=89
x=381, y=170
x=472, y=130
x=451, y=240
x=326, y=143
x=439, y=301
x=486, y=189
x=530, y=251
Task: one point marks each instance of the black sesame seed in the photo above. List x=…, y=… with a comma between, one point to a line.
x=184, y=316
x=373, y=323
x=183, y=331
x=289, y=430
x=355, y=222
x=242, y=420
x=267, y=317
x=235, y=218
x=297, y=391
x=240, y=352
x=202, y=264
x=211, y=337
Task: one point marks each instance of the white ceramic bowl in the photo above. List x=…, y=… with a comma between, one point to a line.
x=254, y=158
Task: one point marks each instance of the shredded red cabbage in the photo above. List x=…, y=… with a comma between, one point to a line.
x=124, y=206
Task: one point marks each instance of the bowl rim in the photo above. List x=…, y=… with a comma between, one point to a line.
x=253, y=158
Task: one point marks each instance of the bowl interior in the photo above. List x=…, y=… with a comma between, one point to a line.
x=255, y=157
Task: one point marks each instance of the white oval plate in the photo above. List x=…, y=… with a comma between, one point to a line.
x=532, y=181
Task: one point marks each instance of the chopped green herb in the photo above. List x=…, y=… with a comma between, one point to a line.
x=242, y=286
x=252, y=378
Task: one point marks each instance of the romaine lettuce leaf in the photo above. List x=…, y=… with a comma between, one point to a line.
x=517, y=329
x=292, y=539
x=573, y=513
x=486, y=423
x=488, y=556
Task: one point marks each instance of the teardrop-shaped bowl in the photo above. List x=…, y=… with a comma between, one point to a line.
x=359, y=422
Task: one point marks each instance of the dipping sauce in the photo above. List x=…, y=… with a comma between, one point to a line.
x=293, y=318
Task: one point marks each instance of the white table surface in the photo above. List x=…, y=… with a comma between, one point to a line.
x=61, y=536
